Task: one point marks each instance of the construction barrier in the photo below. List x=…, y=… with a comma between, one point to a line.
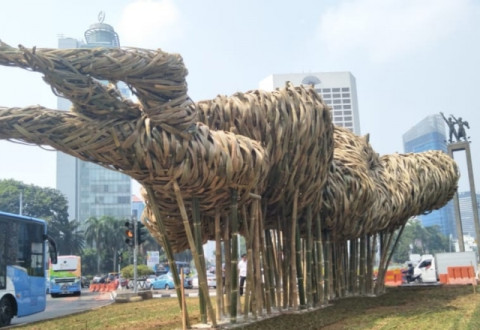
x=443, y=278
x=103, y=287
x=460, y=275
x=393, y=277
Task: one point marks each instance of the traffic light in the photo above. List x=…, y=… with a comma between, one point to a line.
x=119, y=257
x=141, y=233
x=129, y=234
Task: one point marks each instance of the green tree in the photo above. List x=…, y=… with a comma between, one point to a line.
x=36, y=201
x=89, y=262
x=417, y=239
x=114, y=238
x=94, y=235
x=70, y=239
x=142, y=270
x=44, y=203
x=107, y=235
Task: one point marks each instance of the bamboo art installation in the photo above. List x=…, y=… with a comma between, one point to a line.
x=313, y=201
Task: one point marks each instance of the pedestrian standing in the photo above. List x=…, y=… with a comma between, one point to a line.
x=242, y=272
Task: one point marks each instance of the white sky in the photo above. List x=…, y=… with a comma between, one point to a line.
x=410, y=58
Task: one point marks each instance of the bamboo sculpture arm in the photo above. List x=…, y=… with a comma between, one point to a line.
x=89, y=96
x=68, y=132
x=155, y=77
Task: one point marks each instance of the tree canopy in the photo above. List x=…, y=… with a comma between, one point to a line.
x=417, y=239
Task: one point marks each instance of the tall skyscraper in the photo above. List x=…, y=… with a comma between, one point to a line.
x=429, y=134
x=338, y=90
x=92, y=190
x=466, y=212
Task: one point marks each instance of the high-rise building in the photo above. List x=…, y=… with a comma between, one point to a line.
x=338, y=90
x=138, y=205
x=466, y=213
x=429, y=134
x=92, y=190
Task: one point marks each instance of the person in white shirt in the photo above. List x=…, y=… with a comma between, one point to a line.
x=242, y=272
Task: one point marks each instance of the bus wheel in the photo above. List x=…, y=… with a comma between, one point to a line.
x=6, y=311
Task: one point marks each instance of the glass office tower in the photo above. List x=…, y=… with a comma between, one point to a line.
x=92, y=190
x=429, y=134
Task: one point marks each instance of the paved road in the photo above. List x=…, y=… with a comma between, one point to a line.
x=67, y=305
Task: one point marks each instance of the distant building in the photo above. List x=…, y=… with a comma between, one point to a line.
x=138, y=205
x=469, y=243
x=429, y=134
x=338, y=90
x=92, y=190
x=466, y=213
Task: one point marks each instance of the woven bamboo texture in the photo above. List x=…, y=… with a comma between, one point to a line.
x=280, y=146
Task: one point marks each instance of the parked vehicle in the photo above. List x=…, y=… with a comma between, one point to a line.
x=188, y=283
x=85, y=282
x=149, y=280
x=166, y=282
x=211, y=281
x=431, y=266
x=123, y=282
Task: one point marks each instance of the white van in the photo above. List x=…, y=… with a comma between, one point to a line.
x=430, y=266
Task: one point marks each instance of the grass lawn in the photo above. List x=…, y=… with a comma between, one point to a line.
x=440, y=307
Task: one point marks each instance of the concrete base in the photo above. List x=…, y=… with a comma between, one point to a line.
x=124, y=297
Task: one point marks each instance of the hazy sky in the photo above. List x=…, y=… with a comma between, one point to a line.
x=410, y=58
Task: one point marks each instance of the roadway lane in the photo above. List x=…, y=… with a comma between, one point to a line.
x=66, y=305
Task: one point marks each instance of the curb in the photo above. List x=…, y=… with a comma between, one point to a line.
x=174, y=295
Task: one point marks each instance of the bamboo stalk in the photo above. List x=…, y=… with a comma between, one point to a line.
x=228, y=269
x=197, y=236
x=202, y=275
x=353, y=267
x=279, y=260
x=370, y=242
x=234, y=257
x=269, y=270
x=184, y=304
x=337, y=269
x=248, y=298
x=293, y=261
x=218, y=266
x=320, y=266
x=389, y=248
x=258, y=288
x=167, y=248
x=309, y=245
x=362, y=267
x=266, y=266
x=385, y=239
x=328, y=268
x=286, y=265
x=298, y=260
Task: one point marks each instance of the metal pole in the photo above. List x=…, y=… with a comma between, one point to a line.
x=473, y=193
x=20, y=202
x=458, y=220
x=135, y=248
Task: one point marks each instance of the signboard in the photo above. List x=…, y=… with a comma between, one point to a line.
x=153, y=258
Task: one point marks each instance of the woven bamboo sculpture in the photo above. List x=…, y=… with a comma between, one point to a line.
x=269, y=143
x=280, y=147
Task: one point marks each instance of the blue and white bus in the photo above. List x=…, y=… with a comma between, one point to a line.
x=23, y=265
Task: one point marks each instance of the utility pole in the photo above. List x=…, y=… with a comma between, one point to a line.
x=20, y=203
x=135, y=249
